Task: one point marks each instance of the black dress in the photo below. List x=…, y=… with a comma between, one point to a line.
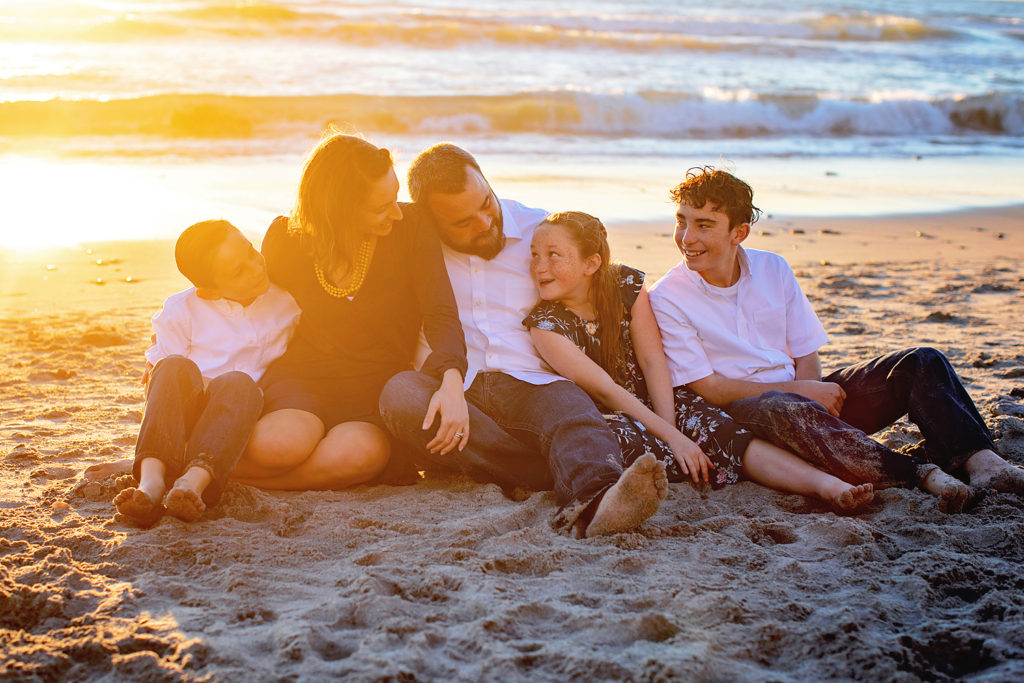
x=345, y=349
x=713, y=430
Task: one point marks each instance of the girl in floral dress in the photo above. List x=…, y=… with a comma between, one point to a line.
x=594, y=325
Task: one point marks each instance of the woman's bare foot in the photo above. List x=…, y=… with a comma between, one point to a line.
x=953, y=494
x=137, y=508
x=850, y=498
x=632, y=499
x=185, y=504
x=987, y=470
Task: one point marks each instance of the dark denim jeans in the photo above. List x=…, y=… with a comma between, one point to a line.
x=186, y=425
x=520, y=435
x=917, y=382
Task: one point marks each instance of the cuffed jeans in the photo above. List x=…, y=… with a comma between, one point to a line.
x=917, y=382
x=187, y=426
x=536, y=436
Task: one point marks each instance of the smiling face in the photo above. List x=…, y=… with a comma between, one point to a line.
x=470, y=221
x=239, y=272
x=558, y=270
x=708, y=244
x=379, y=210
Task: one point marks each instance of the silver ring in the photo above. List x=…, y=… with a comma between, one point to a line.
x=459, y=435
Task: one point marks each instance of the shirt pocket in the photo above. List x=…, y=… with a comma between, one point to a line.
x=770, y=328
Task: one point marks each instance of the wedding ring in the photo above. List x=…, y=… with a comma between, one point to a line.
x=459, y=435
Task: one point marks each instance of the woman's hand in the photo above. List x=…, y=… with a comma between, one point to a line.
x=690, y=457
x=448, y=403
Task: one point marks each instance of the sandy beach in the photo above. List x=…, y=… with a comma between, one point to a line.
x=450, y=580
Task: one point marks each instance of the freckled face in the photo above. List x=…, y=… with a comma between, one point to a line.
x=240, y=273
x=379, y=210
x=558, y=270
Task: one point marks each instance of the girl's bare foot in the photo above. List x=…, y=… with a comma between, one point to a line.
x=632, y=499
x=185, y=504
x=852, y=498
x=137, y=508
x=987, y=470
x=953, y=494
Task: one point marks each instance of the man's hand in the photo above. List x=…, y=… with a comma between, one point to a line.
x=828, y=394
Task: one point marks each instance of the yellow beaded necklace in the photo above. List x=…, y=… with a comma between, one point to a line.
x=358, y=273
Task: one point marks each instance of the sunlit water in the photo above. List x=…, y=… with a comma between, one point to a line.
x=132, y=119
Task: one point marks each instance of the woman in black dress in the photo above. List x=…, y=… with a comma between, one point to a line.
x=368, y=274
x=595, y=326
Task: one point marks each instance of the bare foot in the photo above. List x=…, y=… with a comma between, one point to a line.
x=988, y=470
x=185, y=504
x=853, y=498
x=105, y=469
x=632, y=499
x=953, y=494
x=137, y=508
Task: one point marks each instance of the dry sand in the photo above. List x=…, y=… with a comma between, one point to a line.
x=449, y=580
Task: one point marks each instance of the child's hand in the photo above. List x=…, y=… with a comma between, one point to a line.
x=691, y=458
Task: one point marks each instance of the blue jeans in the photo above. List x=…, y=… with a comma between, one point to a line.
x=187, y=426
x=918, y=382
x=520, y=435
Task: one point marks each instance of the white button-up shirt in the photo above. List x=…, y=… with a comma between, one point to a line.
x=493, y=298
x=750, y=331
x=220, y=335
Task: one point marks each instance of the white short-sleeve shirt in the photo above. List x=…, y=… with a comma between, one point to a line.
x=494, y=296
x=750, y=331
x=220, y=335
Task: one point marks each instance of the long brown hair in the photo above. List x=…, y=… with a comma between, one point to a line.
x=590, y=237
x=335, y=180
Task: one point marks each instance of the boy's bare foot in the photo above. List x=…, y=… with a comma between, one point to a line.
x=632, y=499
x=852, y=498
x=185, y=504
x=137, y=508
x=953, y=494
x=987, y=470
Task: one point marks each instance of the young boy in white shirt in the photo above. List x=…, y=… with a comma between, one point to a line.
x=211, y=345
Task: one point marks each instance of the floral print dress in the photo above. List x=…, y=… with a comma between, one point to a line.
x=713, y=430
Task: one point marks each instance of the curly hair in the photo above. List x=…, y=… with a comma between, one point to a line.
x=727, y=193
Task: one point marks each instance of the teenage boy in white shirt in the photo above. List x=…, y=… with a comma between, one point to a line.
x=738, y=330
x=211, y=345
x=529, y=427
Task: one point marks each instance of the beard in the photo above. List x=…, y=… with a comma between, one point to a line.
x=486, y=245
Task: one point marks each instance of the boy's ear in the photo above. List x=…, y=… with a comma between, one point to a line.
x=739, y=233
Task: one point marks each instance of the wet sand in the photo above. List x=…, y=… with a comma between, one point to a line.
x=450, y=580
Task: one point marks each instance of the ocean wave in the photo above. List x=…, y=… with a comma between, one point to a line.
x=372, y=25
x=651, y=114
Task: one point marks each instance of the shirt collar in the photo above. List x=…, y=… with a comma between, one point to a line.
x=509, y=225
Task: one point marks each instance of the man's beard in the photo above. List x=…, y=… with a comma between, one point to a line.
x=486, y=245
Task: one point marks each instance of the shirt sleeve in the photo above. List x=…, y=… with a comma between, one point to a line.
x=276, y=253
x=631, y=281
x=804, y=332
x=687, y=361
x=441, y=325
x=545, y=316
x=172, y=328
